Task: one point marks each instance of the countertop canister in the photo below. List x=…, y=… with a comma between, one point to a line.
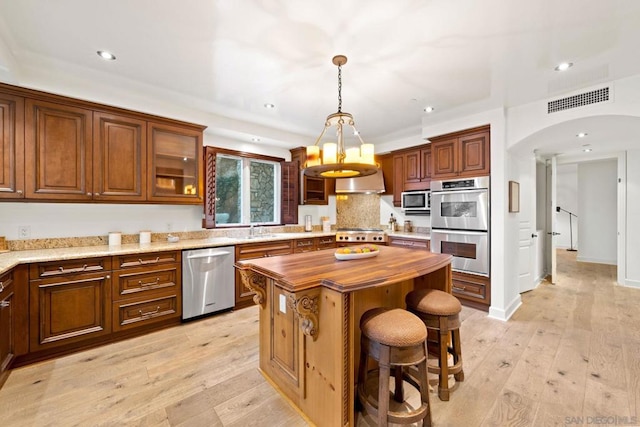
x=145, y=237
x=115, y=238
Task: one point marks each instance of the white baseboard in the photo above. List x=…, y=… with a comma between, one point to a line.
x=629, y=283
x=597, y=260
x=504, y=315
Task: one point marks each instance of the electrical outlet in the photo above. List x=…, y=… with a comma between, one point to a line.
x=24, y=232
x=169, y=226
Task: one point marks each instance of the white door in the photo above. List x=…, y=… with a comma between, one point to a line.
x=525, y=256
x=551, y=220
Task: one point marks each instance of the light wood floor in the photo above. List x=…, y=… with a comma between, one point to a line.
x=572, y=351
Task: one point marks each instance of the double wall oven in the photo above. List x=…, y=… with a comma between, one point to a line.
x=460, y=222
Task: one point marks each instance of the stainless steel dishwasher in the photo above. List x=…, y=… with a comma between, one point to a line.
x=208, y=281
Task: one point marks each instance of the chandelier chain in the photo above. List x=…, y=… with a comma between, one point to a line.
x=339, y=88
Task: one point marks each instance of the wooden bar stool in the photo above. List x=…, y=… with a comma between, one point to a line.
x=396, y=339
x=440, y=312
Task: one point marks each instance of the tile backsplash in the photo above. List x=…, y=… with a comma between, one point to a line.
x=358, y=211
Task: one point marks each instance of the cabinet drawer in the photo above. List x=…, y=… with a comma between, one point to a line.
x=326, y=242
x=139, y=260
x=6, y=280
x=304, y=245
x=140, y=281
x=417, y=244
x=466, y=286
x=258, y=250
x=130, y=315
x=60, y=268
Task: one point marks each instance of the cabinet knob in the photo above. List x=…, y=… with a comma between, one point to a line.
x=19, y=191
x=89, y=194
x=1, y=286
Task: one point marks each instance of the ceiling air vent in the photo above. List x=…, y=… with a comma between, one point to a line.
x=587, y=98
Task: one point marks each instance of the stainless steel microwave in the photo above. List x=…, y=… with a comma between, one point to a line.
x=416, y=201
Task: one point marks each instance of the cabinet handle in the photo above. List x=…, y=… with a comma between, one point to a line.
x=153, y=261
x=460, y=288
x=108, y=276
x=4, y=304
x=1, y=286
x=73, y=270
x=89, y=194
x=19, y=191
x=149, y=283
x=149, y=313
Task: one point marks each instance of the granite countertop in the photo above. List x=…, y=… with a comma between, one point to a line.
x=9, y=260
x=412, y=235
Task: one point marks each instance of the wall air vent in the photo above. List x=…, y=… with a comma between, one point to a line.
x=580, y=100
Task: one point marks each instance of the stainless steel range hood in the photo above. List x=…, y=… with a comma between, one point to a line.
x=366, y=184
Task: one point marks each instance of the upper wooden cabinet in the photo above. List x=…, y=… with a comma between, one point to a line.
x=411, y=171
x=11, y=147
x=119, y=157
x=462, y=154
x=174, y=164
x=313, y=191
x=58, y=151
x=54, y=148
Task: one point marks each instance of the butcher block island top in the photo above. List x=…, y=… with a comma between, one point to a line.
x=310, y=308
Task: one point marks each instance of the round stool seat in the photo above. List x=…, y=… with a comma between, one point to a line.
x=432, y=301
x=393, y=327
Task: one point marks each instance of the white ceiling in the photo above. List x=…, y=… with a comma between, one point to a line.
x=228, y=58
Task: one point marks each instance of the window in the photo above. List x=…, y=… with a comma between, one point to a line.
x=247, y=190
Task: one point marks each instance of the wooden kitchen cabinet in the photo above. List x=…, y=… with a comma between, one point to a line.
x=313, y=191
x=69, y=302
x=58, y=151
x=7, y=323
x=244, y=295
x=174, y=164
x=406, y=242
x=411, y=171
x=119, y=158
x=313, y=244
x=11, y=147
x=146, y=289
x=283, y=349
x=472, y=290
x=463, y=154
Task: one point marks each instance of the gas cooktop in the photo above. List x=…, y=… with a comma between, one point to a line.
x=364, y=235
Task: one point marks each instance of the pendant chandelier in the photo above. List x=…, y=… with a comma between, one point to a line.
x=336, y=161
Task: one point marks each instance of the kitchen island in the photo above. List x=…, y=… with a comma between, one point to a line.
x=310, y=308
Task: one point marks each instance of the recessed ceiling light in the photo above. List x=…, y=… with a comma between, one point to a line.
x=587, y=150
x=355, y=133
x=106, y=55
x=269, y=106
x=582, y=134
x=255, y=139
x=429, y=109
x=564, y=66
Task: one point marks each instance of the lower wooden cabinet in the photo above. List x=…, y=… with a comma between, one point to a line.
x=84, y=302
x=284, y=335
x=146, y=289
x=472, y=290
x=68, y=304
x=406, y=242
x=7, y=323
x=313, y=244
x=244, y=295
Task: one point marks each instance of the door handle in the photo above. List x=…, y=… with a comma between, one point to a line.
x=553, y=233
x=534, y=235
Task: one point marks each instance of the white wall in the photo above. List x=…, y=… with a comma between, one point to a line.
x=598, y=205
x=48, y=220
x=632, y=274
x=567, y=199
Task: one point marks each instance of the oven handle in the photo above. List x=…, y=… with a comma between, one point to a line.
x=479, y=190
x=469, y=232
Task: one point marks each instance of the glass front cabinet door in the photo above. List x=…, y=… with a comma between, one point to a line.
x=175, y=163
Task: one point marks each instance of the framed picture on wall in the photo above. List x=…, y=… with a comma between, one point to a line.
x=514, y=196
